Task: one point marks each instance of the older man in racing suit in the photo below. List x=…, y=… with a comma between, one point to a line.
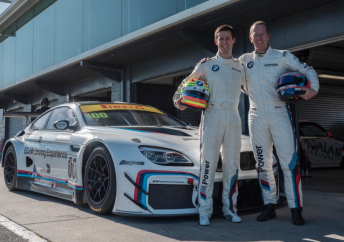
x=220, y=125
x=270, y=120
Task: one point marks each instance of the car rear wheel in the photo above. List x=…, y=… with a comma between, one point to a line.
x=10, y=168
x=342, y=164
x=100, y=181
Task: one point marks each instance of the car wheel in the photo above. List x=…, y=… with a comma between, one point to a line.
x=10, y=168
x=342, y=164
x=100, y=181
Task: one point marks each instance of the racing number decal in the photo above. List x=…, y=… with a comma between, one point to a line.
x=97, y=115
x=72, y=168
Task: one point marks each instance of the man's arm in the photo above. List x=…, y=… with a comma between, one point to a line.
x=197, y=73
x=244, y=87
x=294, y=64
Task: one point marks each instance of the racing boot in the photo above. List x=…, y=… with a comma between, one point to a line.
x=204, y=220
x=233, y=218
x=296, y=214
x=268, y=212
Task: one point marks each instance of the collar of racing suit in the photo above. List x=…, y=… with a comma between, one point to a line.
x=224, y=60
x=263, y=54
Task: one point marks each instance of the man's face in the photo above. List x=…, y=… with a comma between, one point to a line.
x=224, y=42
x=260, y=38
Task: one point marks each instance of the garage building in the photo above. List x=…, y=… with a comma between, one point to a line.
x=140, y=50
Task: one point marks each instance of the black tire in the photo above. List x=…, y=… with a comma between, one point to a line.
x=342, y=164
x=10, y=168
x=100, y=181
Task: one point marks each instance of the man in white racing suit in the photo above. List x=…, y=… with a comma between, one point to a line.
x=220, y=125
x=270, y=121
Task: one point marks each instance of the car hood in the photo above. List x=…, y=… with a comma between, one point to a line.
x=181, y=138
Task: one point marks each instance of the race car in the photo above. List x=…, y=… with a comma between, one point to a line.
x=319, y=147
x=123, y=158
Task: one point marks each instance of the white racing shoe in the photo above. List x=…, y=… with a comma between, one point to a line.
x=204, y=220
x=233, y=218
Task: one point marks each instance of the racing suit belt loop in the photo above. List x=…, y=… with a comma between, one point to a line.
x=224, y=105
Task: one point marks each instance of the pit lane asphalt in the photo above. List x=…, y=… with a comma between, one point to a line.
x=58, y=220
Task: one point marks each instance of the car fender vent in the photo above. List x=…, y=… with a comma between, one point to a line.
x=29, y=161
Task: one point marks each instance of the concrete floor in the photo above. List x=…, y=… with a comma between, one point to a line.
x=325, y=180
x=59, y=220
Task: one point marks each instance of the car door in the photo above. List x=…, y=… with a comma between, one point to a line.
x=320, y=149
x=31, y=146
x=54, y=145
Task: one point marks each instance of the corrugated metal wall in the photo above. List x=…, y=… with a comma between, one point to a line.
x=190, y=117
x=326, y=109
x=14, y=125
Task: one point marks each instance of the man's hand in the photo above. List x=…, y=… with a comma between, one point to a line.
x=309, y=94
x=203, y=60
x=178, y=105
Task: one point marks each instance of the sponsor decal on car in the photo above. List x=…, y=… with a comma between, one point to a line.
x=186, y=139
x=102, y=107
x=125, y=211
x=45, y=169
x=320, y=149
x=168, y=181
x=130, y=163
x=45, y=183
x=46, y=153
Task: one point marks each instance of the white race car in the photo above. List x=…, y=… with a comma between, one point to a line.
x=118, y=157
x=319, y=147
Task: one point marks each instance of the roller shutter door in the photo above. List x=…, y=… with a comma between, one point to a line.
x=190, y=117
x=326, y=109
x=14, y=125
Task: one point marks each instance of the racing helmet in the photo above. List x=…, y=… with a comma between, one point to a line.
x=292, y=84
x=195, y=94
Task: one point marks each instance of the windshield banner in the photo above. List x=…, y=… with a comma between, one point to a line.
x=104, y=107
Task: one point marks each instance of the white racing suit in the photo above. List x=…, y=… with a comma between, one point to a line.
x=270, y=121
x=220, y=125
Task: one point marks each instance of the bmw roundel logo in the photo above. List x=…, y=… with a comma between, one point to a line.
x=215, y=68
x=250, y=64
x=199, y=83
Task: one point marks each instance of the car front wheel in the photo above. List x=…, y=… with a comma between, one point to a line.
x=100, y=181
x=10, y=168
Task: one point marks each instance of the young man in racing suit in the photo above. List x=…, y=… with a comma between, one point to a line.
x=220, y=125
x=270, y=120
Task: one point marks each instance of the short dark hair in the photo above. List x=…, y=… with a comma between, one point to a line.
x=45, y=100
x=259, y=23
x=224, y=27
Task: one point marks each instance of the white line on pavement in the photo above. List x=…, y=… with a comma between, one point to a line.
x=335, y=236
x=20, y=230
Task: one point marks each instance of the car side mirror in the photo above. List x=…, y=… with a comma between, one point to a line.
x=61, y=124
x=329, y=134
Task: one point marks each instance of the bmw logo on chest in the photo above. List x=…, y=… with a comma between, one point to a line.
x=215, y=68
x=250, y=64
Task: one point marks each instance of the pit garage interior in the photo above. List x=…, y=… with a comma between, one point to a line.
x=147, y=69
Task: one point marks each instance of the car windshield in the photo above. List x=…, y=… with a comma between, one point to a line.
x=126, y=115
x=311, y=130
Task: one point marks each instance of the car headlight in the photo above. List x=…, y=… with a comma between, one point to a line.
x=167, y=157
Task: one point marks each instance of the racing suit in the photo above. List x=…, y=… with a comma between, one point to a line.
x=270, y=121
x=220, y=125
